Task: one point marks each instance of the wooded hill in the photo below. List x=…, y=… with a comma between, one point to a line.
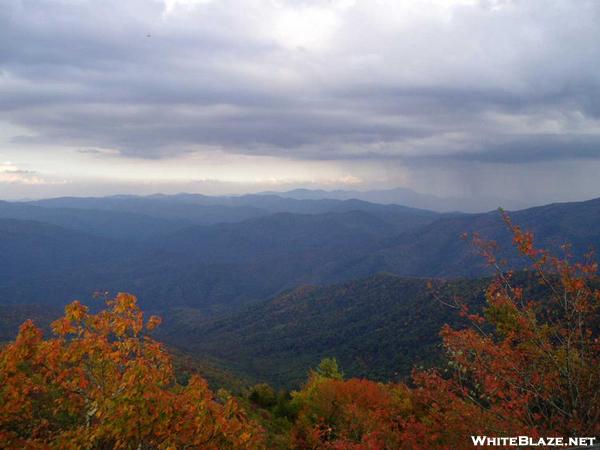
x=215, y=267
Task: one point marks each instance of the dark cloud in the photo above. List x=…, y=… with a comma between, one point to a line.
x=493, y=82
x=533, y=149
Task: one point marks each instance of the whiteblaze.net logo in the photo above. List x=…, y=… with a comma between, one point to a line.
x=526, y=441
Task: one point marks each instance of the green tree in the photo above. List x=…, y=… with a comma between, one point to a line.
x=329, y=368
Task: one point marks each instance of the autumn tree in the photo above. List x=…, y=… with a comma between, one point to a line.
x=102, y=382
x=351, y=414
x=526, y=366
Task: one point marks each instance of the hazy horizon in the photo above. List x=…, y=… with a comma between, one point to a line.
x=398, y=196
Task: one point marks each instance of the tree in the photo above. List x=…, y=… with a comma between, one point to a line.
x=350, y=414
x=529, y=364
x=328, y=368
x=526, y=366
x=339, y=414
x=263, y=395
x=103, y=382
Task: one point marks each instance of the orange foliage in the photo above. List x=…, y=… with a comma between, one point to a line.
x=524, y=367
x=353, y=414
x=102, y=382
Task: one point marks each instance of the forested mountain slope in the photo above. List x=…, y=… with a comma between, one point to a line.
x=120, y=225
x=378, y=327
x=436, y=249
x=33, y=250
x=221, y=266
x=214, y=266
x=163, y=207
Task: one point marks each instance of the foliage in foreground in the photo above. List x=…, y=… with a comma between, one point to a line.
x=525, y=367
x=103, y=382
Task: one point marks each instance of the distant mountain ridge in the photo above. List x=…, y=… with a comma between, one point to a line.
x=224, y=265
x=205, y=210
x=408, y=197
x=110, y=224
x=436, y=250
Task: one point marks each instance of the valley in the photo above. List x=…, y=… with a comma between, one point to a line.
x=268, y=296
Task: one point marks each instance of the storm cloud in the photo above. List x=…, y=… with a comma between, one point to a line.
x=420, y=83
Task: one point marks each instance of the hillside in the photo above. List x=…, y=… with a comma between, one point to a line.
x=12, y=316
x=120, y=225
x=215, y=266
x=221, y=266
x=378, y=327
x=162, y=207
x=33, y=250
x=436, y=249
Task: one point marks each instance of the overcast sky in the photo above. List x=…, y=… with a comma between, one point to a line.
x=451, y=97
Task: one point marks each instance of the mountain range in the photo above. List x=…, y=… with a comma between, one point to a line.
x=247, y=280
x=59, y=249
x=408, y=197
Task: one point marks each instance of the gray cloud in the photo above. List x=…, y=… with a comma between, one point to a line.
x=493, y=82
x=533, y=149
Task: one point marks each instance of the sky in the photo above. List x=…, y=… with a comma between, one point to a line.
x=465, y=98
